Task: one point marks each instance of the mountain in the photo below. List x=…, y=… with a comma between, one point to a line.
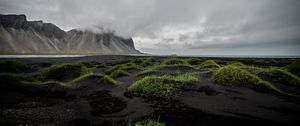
x=18, y=35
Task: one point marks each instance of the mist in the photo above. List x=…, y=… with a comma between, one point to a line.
x=190, y=27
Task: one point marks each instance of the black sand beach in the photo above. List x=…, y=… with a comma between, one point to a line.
x=92, y=101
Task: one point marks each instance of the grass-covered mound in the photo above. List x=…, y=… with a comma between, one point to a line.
x=124, y=67
x=209, y=64
x=150, y=61
x=279, y=76
x=99, y=77
x=118, y=73
x=13, y=66
x=148, y=72
x=160, y=86
x=294, y=67
x=147, y=122
x=235, y=63
x=193, y=61
x=64, y=72
x=13, y=80
x=236, y=77
x=173, y=61
x=180, y=67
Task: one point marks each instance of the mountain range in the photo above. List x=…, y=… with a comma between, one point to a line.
x=17, y=35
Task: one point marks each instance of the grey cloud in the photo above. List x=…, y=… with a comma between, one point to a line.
x=246, y=24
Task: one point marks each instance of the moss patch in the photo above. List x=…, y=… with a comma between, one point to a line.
x=173, y=61
x=124, y=67
x=118, y=73
x=208, y=64
x=193, y=61
x=147, y=122
x=235, y=63
x=12, y=77
x=13, y=66
x=64, y=72
x=100, y=77
x=294, y=67
x=160, y=86
x=235, y=77
x=279, y=76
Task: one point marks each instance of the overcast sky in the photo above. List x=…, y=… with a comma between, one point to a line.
x=184, y=27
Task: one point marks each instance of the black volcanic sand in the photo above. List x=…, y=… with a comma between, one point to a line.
x=95, y=103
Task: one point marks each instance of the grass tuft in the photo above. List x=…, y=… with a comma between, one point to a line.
x=13, y=66
x=235, y=77
x=208, y=64
x=160, y=86
x=103, y=78
x=60, y=72
x=147, y=122
x=124, y=67
x=118, y=73
x=173, y=61
x=235, y=63
x=193, y=61
x=279, y=76
x=294, y=67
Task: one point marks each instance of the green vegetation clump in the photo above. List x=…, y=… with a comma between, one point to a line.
x=148, y=62
x=124, y=67
x=279, y=76
x=148, y=72
x=64, y=72
x=13, y=66
x=173, y=61
x=176, y=67
x=160, y=86
x=147, y=122
x=87, y=64
x=294, y=67
x=208, y=64
x=234, y=76
x=13, y=77
x=102, y=78
x=193, y=61
x=252, y=69
x=235, y=63
x=118, y=73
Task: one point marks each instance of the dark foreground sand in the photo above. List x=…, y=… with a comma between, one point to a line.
x=205, y=103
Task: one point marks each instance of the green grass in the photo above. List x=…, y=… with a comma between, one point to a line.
x=103, y=78
x=148, y=72
x=193, y=61
x=233, y=76
x=160, y=86
x=235, y=63
x=208, y=64
x=175, y=66
x=279, y=76
x=148, y=62
x=118, y=73
x=147, y=122
x=173, y=61
x=13, y=77
x=87, y=64
x=59, y=71
x=13, y=66
x=294, y=67
x=124, y=67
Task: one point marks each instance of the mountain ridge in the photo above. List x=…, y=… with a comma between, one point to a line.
x=21, y=36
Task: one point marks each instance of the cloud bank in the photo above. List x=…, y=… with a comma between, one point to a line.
x=179, y=26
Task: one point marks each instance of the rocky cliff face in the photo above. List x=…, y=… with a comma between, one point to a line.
x=21, y=36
